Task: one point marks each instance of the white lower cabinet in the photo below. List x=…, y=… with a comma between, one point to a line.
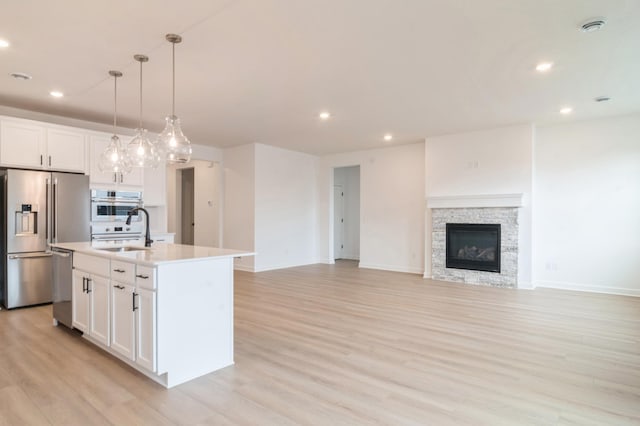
x=123, y=320
x=90, y=307
x=120, y=312
x=145, y=310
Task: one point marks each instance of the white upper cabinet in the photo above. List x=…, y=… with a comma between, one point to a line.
x=98, y=142
x=33, y=145
x=155, y=186
x=66, y=150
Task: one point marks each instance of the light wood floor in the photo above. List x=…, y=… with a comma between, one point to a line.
x=334, y=345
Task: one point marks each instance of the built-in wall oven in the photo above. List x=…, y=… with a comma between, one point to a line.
x=109, y=212
x=114, y=206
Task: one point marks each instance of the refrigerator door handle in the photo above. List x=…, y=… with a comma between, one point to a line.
x=30, y=255
x=46, y=203
x=54, y=217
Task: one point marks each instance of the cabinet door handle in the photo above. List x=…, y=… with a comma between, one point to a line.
x=115, y=178
x=121, y=178
x=89, y=285
x=84, y=284
x=49, y=161
x=144, y=277
x=41, y=158
x=134, y=301
x=120, y=271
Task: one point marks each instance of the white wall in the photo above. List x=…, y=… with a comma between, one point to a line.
x=285, y=208
x=391, y=207
x=587, y=205
x=207, y=206
x=496, y=161
x=239, y=202
x=349, y=179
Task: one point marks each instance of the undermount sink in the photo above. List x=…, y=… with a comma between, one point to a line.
x=122, y=249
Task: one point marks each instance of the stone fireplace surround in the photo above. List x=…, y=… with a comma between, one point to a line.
x=502, y=209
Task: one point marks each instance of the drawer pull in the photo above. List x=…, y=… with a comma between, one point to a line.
x=121, y=271
x=119, y=287
x=144, y=277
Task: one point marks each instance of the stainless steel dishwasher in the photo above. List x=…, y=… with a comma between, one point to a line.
x=62, y=287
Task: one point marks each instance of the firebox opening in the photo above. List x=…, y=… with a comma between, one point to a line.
x=473, y=246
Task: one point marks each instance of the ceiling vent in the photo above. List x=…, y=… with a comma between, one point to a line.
x=20, y=76
x=592, y=25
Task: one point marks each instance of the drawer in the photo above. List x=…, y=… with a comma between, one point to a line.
x=92, y=264
x=123, y=272
x=146, y=277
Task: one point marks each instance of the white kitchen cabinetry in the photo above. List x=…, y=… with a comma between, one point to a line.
x=98, y=179
x=90, y=302
x=123, y=320
x=155, y=186
x=163, y=237
x=145, y=314
x=66, y=150
x=29, y=144
x=180, y=300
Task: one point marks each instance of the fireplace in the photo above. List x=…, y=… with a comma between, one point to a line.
x=473, y=246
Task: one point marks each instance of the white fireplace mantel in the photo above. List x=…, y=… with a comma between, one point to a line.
x=475, y=201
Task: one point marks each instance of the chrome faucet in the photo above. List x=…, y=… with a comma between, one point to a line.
x=147, y=236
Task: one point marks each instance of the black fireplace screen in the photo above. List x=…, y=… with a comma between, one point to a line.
x=473, y=246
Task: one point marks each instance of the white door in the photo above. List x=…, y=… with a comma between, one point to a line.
x=146, y=328
x=99, y=301
x=122, y=319
x=338, y=222
x=79, y=302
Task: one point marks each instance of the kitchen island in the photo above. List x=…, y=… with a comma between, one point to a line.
x=165, y=310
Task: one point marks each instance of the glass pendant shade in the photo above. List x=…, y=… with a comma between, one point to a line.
x=176, y=145
x=114, y=158
x=142, y=151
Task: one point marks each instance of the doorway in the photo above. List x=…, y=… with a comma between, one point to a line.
x=186, y=203
x=346, y=213
x=194, y=194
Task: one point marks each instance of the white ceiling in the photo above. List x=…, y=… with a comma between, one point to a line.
x=262, y=70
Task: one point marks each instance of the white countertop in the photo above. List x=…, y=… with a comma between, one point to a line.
x=157, y=254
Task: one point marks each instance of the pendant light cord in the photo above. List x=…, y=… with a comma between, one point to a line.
x=115, y=103
x=173, y=102
x=140, y=120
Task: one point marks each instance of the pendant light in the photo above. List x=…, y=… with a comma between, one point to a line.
x=176, y=146
x=115, y=159
x=141, y=150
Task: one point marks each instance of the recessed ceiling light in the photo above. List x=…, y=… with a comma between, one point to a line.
x=388, y=137
x=592, y=25
x=4, y=43
x=20, y=76
x=324, y=115
x=602, y=99
x=544, y=66
x=566, y=110
x=56, y=94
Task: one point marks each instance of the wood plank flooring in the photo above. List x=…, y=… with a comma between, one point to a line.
x=338, y=345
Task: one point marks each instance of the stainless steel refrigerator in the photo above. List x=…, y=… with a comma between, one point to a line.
x=38, y=208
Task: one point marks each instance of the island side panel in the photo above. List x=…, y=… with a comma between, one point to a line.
x=195, y=318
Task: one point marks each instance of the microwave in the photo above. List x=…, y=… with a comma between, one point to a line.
x=114, y=206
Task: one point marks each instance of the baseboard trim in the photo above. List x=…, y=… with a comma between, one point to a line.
x=588, y=288
x=284, y=266
x=392, y=268
x=243, y=268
